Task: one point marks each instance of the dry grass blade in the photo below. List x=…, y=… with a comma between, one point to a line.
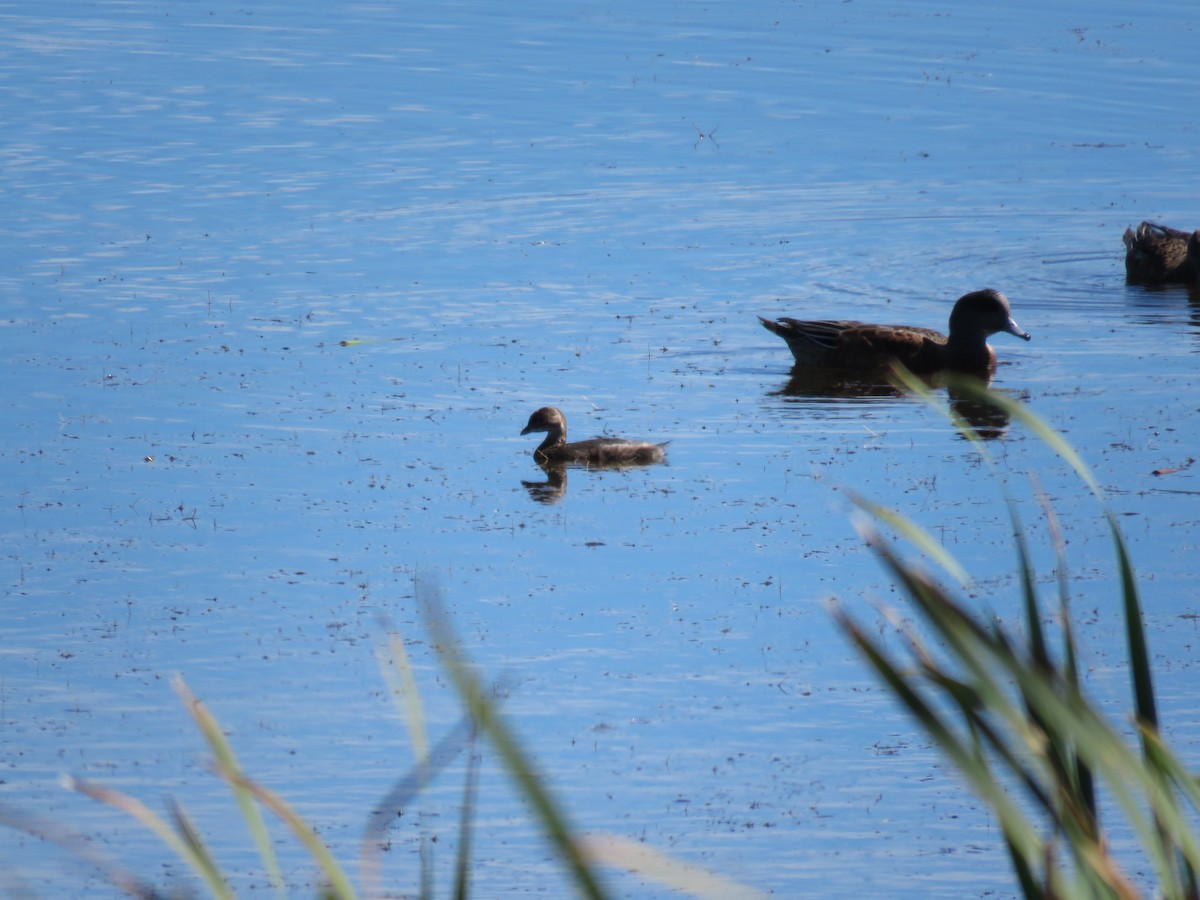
x=403, y=682
x=634, y=856
x=201, y=865
x=79, y=846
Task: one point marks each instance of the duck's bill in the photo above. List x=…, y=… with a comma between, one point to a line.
x=1014, y=328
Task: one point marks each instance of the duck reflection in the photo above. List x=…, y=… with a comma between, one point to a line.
x=990, y=422
x=809, y=383
x=550, y=491
x=1157, y=302
x=833, y=385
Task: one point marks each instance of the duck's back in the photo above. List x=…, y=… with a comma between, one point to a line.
x=603, y=451
x=1156, y=254
x=844, y=343
x=919, y=349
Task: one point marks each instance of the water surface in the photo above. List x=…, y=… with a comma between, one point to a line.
x=502, y=209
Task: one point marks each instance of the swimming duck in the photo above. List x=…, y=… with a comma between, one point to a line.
x=858, y=345
x=601, y=451
x=1156, y=254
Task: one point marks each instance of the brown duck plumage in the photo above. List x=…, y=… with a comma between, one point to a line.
x=1156, y=254
x=600, y=451
x=844, y=344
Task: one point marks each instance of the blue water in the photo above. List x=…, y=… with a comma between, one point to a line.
x=503, y=208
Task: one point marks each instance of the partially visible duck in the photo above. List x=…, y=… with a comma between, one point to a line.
x=846, y=344
x=600, y=451
x=1156, y=254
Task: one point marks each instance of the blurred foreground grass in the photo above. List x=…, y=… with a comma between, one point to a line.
x=584, y=856
x=1009, y=712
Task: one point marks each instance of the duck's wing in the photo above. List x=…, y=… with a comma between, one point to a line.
x=918, y=349
x=607, y=452
x=843, y=343
x=813, y=342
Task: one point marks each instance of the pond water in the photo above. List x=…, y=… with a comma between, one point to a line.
x=281, y=286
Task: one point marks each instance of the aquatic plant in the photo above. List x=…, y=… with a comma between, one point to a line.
x=1013, y=719
x=583, y=856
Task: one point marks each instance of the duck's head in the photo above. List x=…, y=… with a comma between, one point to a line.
x=1193, y=248
x=985, y=311
x=546, y=419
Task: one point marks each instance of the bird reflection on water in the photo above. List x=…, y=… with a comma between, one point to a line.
x=550, y=491
x=832, y=385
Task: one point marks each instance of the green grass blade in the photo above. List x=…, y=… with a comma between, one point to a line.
x=1070, y=722
x=223, y=752
x=1067, y=763
x=1171, y=769
x=906, y=380
x=401, y=677
x=1073, y=773
x=1070, y=663
x=1168, y=764
x=1084, y=783
x=981, y=652
x=1139, y=657
x=1021, y=833
x=1132, y=783
x=1033, y=618
x=979, y=392
x=520, y=769
x=339, y=884
x=1068, y=745
x=189, y=834
x=462, y=866
x=1139, y=654
x=914, y=534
